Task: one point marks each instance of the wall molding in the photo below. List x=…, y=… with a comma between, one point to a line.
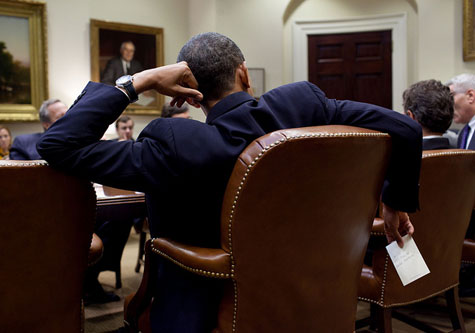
x=397, y=23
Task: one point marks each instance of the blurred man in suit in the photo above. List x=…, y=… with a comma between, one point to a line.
x=121, y=65
x=463, y=89
x=24, y=146
x=169, y=111
x=173, y=158
x=431, y=104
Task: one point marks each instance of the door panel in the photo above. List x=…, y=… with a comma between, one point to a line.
x=355, y=66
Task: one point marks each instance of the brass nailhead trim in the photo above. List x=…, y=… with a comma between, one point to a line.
x=6, y=163
x=219, y=275
x=446, y=153
x=246, y=173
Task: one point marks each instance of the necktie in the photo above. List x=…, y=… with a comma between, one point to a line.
x=128, y=69
x=464, y=137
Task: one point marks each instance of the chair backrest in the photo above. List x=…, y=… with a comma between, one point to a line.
x=447, y=193
x=296, y=219
x=47, y=221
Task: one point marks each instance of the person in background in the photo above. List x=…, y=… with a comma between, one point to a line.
x=431, y=104
x=462, y=87
x=125, y=64
x=5, y=142
x=463, y=90
x=125, y=128
x=24, y=146
x=174, y=111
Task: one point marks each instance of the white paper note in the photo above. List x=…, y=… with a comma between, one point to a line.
x=408, y=261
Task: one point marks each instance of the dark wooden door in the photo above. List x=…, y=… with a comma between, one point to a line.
x=355, y=66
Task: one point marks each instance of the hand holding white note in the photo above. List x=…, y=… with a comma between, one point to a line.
x=408, y=261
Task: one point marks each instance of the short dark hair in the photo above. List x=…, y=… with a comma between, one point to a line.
x=122, y=119
x=431, y=103
x=213, y=59
x=169, y=111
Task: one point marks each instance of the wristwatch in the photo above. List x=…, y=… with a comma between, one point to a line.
x=126, y=82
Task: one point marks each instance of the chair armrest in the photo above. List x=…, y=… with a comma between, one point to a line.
x=215, y=263
x=378, y=227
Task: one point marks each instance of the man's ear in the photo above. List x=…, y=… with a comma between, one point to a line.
x=470, y=96
x=410, y=114
x=243, y=75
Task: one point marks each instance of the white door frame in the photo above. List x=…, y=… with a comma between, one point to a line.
x=397, y=23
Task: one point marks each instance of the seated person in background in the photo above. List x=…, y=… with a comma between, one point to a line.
x=431, y=104
x=121, y=65
x=125, y=128
x=5, y=142
x=173, y=158
x=24, y=146
x=463, y=90
x=174, y=111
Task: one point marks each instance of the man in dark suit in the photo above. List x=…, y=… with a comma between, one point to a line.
x=431, y=104
x=176, y=157
x=24, y=146
x=463, y=89
x=121, y=65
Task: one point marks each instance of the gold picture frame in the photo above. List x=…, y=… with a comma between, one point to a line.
x=24, y=84
x=468, y=30
x=106, y=40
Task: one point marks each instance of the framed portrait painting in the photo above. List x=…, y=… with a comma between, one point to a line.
x=23, y=67
x=118, y=49
x=468, y=30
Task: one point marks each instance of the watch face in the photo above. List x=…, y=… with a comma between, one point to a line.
x=123, y=80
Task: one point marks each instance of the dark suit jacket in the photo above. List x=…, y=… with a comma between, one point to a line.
x=24, y=147
x=471, y=144
x=182, y=158
x=436, y=143
x=114, y=70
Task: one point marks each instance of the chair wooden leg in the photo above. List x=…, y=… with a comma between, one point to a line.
x=143, y=236
x=118, y=280
x=453, y=304
x=381, y=319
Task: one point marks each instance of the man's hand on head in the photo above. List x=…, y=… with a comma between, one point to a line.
x=174, y=80
x=395, y=224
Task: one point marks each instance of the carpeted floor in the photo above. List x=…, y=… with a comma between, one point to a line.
x=109, y=317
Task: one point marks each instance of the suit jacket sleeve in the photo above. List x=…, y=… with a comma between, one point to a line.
x=73, y=143
x=18, y=149
x=401, y=186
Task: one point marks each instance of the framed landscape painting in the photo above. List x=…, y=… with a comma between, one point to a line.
x=118, y=49
x=23, y=66
x=468, y=30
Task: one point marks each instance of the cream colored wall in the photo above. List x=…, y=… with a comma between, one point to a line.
x=434, y=35
x=69, y=43
x=256, y=27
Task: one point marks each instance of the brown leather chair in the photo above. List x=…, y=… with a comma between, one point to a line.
x=290, y=255
x=47, y=221
x=447, y=194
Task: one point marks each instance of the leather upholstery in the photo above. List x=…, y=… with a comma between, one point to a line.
x=46, y=232
x=446, y=199
x=468, y=251
x=288, y=250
